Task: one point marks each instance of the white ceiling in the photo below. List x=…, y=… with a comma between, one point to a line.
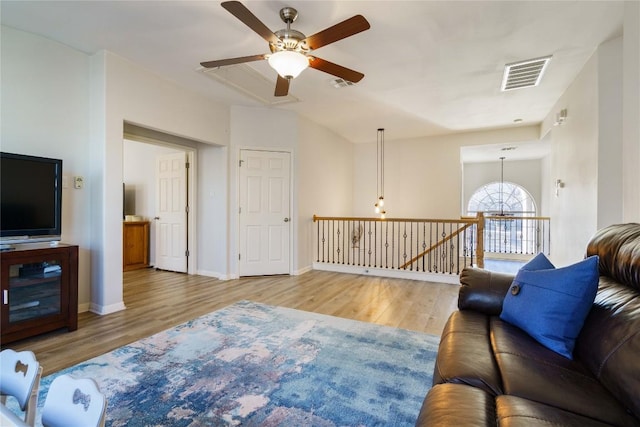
x=431, y=67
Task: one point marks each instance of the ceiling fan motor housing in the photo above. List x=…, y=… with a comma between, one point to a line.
x=288, y=14
x=290, y=48
x=289, y=38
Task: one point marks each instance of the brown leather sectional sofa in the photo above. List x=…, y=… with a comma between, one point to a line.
x=491, y=373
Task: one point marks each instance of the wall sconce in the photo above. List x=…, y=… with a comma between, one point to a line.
x=561, y=117
x=559, y=185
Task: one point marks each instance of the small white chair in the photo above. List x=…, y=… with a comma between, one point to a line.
x=74, y=402
x=20, y=378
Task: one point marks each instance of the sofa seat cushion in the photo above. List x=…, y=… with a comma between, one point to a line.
x=465, y=355
x=531, y=371
x=512, y=411
x=457, y=405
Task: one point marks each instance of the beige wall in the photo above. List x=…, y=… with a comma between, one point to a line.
x=324, y=182
x=45, y=112
x=525, y=173
x=574, y=160
x=631, y=112
x=590, y=154
x=423, y=177
x=122, y=91
x=74, y=109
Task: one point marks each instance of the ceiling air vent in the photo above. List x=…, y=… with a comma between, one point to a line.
x=518, y=75
x=339, y=83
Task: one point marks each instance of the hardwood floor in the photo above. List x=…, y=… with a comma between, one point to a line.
x=158, y=300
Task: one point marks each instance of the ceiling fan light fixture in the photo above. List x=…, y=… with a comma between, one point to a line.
x=288, y=63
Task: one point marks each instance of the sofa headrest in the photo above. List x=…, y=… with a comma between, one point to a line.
x=618, y=247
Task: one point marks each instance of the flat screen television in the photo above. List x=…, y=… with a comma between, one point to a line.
x=30, y=198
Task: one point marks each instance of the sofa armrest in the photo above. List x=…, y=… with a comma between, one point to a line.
x=483, y=290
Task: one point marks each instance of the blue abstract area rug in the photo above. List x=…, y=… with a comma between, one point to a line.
x=254, y=364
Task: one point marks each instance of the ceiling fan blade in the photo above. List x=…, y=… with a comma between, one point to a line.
x=282, y=86
x=238, y=10
x=340, y=31
x=231, y=61
x=335, y=69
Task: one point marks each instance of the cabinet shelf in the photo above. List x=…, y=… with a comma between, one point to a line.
x=18, y=282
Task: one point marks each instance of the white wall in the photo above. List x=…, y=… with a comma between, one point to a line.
x=123, y=91
x=44, y=112
x=74, y=109
x=322, y=172
x=588, y=154
x=255, y=128
x=213, y=213
x=631, y=112
x=574, y=149
x=423, y=177
x=525, y=173
x=324, y=183
x=609, y=133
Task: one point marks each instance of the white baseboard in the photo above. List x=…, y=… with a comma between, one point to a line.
x=302, y=270
x=215, y=275
x=84, y=307
x=106, y=309
x=453, y=279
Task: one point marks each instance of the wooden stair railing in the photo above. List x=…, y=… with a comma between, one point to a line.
x=459, y=240
x=435, y=246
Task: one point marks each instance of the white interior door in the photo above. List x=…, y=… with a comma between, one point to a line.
x=264, y=213
x=171, y=212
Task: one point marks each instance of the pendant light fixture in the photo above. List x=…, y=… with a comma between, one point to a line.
x=379, y=206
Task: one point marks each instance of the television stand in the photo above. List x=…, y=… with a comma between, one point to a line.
x=39, y=289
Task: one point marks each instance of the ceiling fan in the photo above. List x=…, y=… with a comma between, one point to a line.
x=290, y=49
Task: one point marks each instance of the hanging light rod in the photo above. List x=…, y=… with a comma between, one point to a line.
x=501, y=185
x=379, y=206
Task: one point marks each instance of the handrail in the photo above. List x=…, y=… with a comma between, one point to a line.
x=355, y=218
x=434, y=246
x=505, y=217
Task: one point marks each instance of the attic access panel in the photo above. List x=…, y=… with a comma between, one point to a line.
x=250, y=82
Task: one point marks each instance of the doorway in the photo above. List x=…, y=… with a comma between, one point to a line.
x=142, y=198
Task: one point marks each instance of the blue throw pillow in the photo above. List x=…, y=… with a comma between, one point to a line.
x=538, y=262
x=552, y=304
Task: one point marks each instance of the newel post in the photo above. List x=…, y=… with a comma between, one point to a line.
x=480, y=239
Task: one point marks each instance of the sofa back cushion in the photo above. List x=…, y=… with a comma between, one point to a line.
x=609, y=343
x=618, y=247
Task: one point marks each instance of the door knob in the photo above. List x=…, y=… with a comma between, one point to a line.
x=156, y=217
x=286, y=220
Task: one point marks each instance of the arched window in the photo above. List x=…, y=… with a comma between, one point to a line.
x=504, y=205
x=498, y=198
